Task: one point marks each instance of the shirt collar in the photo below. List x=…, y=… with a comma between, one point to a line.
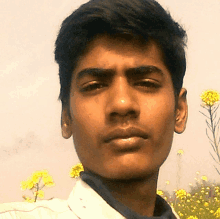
x=86, y=203
x=162, y=208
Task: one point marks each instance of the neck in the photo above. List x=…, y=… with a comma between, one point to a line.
x=138, y=195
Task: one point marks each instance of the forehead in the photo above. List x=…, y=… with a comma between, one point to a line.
x=119, y=53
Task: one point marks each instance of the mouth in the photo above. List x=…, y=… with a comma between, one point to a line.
x=126, y=140
x=125, y=135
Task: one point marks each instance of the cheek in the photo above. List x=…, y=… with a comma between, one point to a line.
x=161, y=113
x=86, y=120
x=166, y=127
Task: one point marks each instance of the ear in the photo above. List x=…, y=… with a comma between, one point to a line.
x=181, y=112
x=66, y=123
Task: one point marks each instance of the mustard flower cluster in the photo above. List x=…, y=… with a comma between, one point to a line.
x=204, y=178
x=160, y=192
x=202, y=202
x=28, y=199
x=210, y=97
x=180, y=152
x=181, y=193
x=35, y=183
x=75, y=170
x=217, y=213
x=192, y=217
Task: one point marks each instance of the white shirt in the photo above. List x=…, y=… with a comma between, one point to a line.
x=83, y=203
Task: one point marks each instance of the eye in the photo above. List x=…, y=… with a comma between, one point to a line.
x=92, y=86
x=148, y=84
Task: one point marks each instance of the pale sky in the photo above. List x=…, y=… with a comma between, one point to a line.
x=30, y=113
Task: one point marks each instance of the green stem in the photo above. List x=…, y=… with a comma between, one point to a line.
x=213, y=132
x=35, y=199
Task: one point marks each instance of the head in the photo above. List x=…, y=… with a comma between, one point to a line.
x=121, y=68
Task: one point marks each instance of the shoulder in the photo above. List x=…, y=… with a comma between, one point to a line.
x=55, y=208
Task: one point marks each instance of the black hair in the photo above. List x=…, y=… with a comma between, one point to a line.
x=135, y=18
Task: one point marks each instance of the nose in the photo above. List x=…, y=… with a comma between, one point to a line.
x=122, y=103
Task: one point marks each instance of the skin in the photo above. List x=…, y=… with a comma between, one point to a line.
x=121, y=99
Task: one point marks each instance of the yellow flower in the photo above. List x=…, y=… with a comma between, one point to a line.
x=27, y=199
x=23, y=185
x=181, y=193
x=206, y=204
x=48, y=181
x=210, y=97
x=168, y=182
x=30, y=183
x=204, y=178
x=160, y=192
x=39, y=174
x=180, y=152
x=33, y=182
x=75, y=170
x=44, y=173
x=192, y=217
x=217, y=213
x=31, y=200
x=180, y=214
x=39, y=194
x=34, y=179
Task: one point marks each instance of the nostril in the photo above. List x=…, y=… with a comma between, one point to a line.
x=129, y=114
x=113, y=114
x=132, y=114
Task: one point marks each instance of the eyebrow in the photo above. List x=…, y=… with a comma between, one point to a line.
x=95, y=72
x=101, y=72
x=144, y=70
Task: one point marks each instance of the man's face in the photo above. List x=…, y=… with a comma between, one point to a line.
x=122, y=109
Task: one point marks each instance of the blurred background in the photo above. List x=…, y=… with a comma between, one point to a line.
x=30, y=112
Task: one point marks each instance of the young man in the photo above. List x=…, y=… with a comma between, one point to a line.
x=121, y=67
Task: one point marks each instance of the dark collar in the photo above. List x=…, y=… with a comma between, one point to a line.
x=162, y=209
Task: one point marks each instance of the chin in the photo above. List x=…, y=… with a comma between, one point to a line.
x=129, y=173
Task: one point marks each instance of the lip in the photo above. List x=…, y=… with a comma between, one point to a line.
x=123, y=134
x=132, y=144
